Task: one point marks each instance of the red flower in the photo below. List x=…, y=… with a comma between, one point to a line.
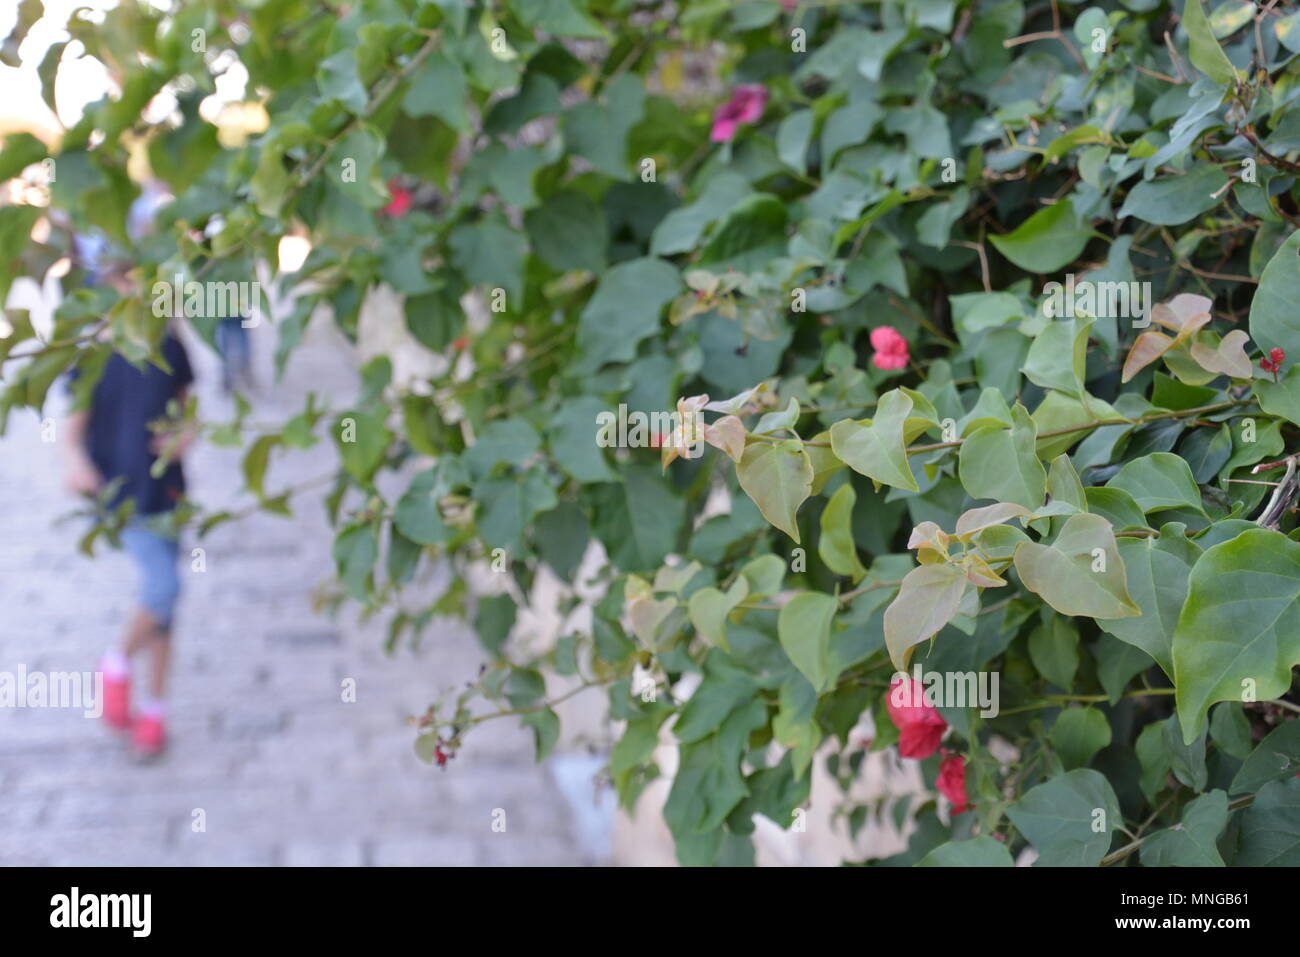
x=891, y=348
x=1273, y=363
x=952, y=782
x=460, y=343
x=400, y=203
x=745, y=106
x=440, y=756
x=919, y=726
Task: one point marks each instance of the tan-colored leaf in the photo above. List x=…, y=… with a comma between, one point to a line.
x=1228, y=359
x=977, y=519
x=1148, y=347
x=979, y=573
x=761, y=396
x=727, y=434
x=928, y=535
x=1182, y=310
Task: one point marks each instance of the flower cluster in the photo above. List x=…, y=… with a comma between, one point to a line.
x=920, y=729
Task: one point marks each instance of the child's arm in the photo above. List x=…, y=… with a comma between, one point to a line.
x=81, y=475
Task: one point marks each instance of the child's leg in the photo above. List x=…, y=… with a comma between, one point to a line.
x=150, y=625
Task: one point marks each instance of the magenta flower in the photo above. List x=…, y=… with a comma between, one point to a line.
x=891, y=348
x=745, y=106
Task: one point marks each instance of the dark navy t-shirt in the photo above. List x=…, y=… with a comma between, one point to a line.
x=118, y=438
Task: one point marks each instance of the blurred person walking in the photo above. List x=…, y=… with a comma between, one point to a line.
x=116, y=438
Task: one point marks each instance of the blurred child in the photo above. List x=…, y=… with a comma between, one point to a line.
x=112, y=439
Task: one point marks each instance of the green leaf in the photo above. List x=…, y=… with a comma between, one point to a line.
x=546, y=731
x=1239, y=633
x=356, y=550
x=778, y=477
x=709, y=608
x=638, y=519
x=438, y=89
x=1002, y=464
x=1046, y=241
x=1176, y=199
x=1117, y=664
x=1206, y=450
x=511, y=441
x=624, y=310
x=1156, y=570
x=256, y=461
x=572, y=439
x=1054, y=650
x=927, y=600
x=792, y=138
x=560, y=18
x=751, y=234
x=509, y=505
x=982, y=851
x=875, y=448
x=1078, y=734
x=493, y=622
x=491, y=254
x=1186, y=759
x=365, y=184
x=1159, y=481
x=1116, y=506
x=417, y=515
x=1230, y=730
x=568, y=231
x=1063, y=484
x=599, y=131
x=362, y=439
x=20, y=151
x=1081, y=573
x=1270, y=828
x=562, y=536
x=1276, y=757
x=1191, y=842
x=1274, y=320
x=1206, y=54
x=836, y=546
x=1058, y=355
x=804, y=628
x=1281, y=398
x=1069, y=819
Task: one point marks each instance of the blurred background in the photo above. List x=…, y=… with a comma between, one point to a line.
x=267, y=763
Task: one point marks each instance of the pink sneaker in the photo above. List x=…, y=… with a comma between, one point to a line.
x=117, y=701
x=147, y=737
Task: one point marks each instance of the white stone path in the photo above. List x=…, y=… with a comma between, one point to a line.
x=283, y=770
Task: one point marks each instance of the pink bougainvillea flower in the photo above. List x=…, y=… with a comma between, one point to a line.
x=1273, y=363
x=788, y=5
x=745, y=106
x=952, y=782
x=400, y=203
x=919, y=726
x=891, y=348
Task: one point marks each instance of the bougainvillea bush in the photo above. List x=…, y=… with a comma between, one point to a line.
x=932, y=366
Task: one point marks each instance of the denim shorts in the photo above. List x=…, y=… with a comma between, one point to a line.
x=155, y=557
